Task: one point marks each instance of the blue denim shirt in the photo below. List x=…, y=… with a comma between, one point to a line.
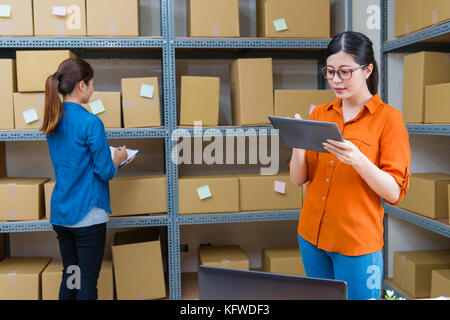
x=82, y=163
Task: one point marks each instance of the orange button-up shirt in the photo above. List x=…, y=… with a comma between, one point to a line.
x=341, y=213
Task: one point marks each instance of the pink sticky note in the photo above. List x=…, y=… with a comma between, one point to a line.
x=280, y=186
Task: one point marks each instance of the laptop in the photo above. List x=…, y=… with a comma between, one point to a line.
x=305, y=134
x=231, y=284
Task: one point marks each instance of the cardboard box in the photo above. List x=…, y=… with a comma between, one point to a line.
x=116, y=18
x=427, y=195
x=139, y=111
x=111, y=101
x=283, y=261
x=34, y=67
x=138, y=268
x=138, y=195
x=20, y=21
x=407, y=16
x=199, y=100
x=263, y=192
x=251, y=91
x=24, y=102
x=290, y=102
x=434, y=12
x=52, y=274
x=422, y=69
x=48, y=189
x=418, y=273
x=232, y=257
x=22, y=199
x=400, y=258
x=413, y=15
x=20, y=278
x=213, y=18
x=440, y=283
x=437, y=102
x=193, y=194
x=303, y=18
x=448, y=195
x=7, y=88
x=59, y=18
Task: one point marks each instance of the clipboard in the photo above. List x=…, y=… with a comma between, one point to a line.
x=130, y=153
x=305, y=134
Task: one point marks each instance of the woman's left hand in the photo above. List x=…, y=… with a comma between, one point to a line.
x=345, y=151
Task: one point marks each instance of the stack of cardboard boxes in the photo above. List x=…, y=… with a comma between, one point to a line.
x=275, y=18
x=234, y=193
x=425, y=88
x=135, y=273
x=275, y=260
x=22, y=95
x=69, y=18
x=424, y=273
x=413, y=15
x=253, y=99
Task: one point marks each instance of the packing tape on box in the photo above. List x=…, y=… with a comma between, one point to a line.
x=12, y=214
x=112, y=28
x=12, y=190
x=141, y=295
x=149, y=102
x=407, y=27
x=12, y=278
x=226, y=262
x=59, y=24
x=435, y=16
x=6, y=29
x=40, y=99
x=215, y=31
x=447, y=57
x=129, y=103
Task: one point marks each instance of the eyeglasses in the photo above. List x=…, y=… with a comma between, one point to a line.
x=343, y=74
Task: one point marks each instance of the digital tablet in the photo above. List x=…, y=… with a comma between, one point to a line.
x=305, y=134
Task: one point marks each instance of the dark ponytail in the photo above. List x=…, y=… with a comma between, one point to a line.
x=63, y=81
x=361, y=48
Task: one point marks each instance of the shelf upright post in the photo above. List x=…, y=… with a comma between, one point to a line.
x=384, y=96
x=3, y=174
x=170, y=121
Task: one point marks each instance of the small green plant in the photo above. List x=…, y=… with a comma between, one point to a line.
x=389, y=295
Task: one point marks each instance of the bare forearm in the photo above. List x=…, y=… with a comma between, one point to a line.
x=298, y=167
x=378, y=180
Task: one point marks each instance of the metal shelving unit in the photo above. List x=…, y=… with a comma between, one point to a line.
x=433, y=38
x=34, y=135
x=233, y=217
x=166, y=46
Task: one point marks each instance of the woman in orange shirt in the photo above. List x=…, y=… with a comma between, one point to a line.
x=340, y=227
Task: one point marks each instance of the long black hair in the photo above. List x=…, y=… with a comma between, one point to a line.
x=361, y=48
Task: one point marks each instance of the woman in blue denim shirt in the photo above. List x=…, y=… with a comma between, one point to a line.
x=83, y=166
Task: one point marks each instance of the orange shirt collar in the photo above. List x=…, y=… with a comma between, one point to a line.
x=371, y=105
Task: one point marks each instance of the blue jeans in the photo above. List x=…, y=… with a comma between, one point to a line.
x=363, y=274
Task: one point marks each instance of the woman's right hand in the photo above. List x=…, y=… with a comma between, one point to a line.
x=120, y=155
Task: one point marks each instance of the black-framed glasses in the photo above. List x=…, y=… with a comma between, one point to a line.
x=343, y=74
